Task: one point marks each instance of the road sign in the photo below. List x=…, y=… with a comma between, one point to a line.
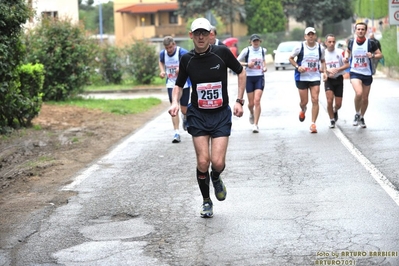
x=393, y=12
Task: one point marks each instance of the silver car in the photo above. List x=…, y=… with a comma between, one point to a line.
x=282, y=54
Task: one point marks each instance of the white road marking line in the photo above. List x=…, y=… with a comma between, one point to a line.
x=375, y=173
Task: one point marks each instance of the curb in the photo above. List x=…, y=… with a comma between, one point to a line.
x=133, y=90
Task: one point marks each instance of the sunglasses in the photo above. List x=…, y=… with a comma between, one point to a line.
x=203, y=32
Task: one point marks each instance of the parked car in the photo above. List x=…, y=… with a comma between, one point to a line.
x=340, y=44
x=282, y=54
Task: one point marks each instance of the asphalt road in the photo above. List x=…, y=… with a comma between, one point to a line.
x=293, y=198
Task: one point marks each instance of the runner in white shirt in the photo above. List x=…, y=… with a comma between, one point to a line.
x=310, y=60
x=169, y=59
x=254, y=59
x=334, y=84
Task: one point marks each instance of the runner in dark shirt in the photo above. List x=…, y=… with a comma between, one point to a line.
x=209, y=117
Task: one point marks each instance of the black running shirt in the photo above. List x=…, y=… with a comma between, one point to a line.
x=208, y=74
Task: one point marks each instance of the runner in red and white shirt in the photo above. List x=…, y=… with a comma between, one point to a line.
x=359, y=54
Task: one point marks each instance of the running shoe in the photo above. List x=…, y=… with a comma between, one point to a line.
x=332, y=125
x=251, y=118
x=362, y=123
x=302, y=115
x=176, y=138
x=220, y=189
x=184, y=121
x=255, y=129
x=336, y=116
x=313, y=128
x=356, y=120
x=207, y=209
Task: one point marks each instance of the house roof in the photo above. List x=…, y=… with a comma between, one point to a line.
x=149, y=8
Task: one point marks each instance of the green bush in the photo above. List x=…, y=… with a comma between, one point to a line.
x=24, y=99
x=111, y=68
x=142, y=62
x=67, y=54
x=31, y=85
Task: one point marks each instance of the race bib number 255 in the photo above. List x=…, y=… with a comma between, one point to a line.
x=210, y=95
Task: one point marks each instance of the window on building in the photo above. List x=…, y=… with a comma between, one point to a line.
x=50, y=14
x=172, y=17
x=152, y=19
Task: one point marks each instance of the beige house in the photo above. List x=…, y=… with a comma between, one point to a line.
x=53, y=8
x=152, y=20
x=146, y=19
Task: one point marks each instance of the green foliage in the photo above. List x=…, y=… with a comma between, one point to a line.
x=389, y=48
x=111, y=64
x=24, y=99
x=376, y=9
x=317, y=12
x=66, y=53
x=226, y=9
x=117, y=106
x=142, y=62
x=12, y=15
x=31, y=79
x=265, y=16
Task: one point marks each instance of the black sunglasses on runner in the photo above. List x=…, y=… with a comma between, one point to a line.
x=203, y=32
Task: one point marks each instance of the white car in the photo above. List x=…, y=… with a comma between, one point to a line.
x=340, y=44
x=282, y=54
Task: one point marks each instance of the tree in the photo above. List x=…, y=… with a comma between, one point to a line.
x=13, y=14
x=86, y=5
x=317, y=12
x=228, y=10
x=264, y=16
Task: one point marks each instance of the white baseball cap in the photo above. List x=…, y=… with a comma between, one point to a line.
x=201, y=23
x=310, y=29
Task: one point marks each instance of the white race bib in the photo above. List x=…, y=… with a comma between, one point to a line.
x=210, y=95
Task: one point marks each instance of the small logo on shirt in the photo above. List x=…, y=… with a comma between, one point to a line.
x=216, y=67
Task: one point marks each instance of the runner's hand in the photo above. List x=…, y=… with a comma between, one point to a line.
x=238, y=111
x=174, y=110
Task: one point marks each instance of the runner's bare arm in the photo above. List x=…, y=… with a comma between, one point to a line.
x=176, y=95
x=242, y=78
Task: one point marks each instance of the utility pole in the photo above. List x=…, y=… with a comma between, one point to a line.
x=231, y=18
x=100, y=21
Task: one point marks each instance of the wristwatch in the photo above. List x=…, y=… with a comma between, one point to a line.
x=296, y=66
x=240, y=101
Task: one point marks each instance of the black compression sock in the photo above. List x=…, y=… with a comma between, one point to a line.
x=203, y=182
x=215, y=175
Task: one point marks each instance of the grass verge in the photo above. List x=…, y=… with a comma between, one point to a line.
x=116, y=106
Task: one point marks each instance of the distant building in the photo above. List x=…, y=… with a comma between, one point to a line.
x=135, y=20
x=53, y=8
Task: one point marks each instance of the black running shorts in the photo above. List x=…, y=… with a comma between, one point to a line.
x=335, y=85
x=214, y=124
x=366, y=80
x=304, y=85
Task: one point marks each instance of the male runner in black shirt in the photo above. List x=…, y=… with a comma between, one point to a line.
x=208, y=114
